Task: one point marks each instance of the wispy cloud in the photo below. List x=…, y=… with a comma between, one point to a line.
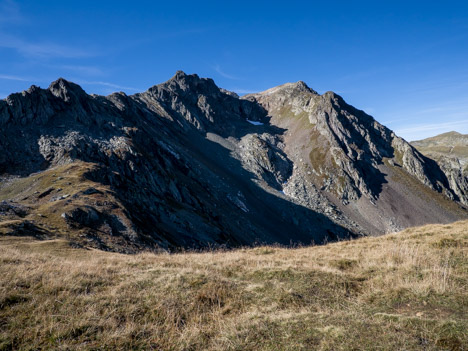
x=428, y=87
x=107, y=84
x=413, y=124
x=19, y=79
x=421, y=131
x=448, y=110
x=434, y=126
x=10, y=14
x=387, y=122
x=42, y=49
x=218, y=69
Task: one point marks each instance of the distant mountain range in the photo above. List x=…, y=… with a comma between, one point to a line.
x=189, y=165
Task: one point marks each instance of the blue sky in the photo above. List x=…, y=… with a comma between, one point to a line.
x=403, y=62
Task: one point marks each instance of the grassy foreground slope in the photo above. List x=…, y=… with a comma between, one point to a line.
x=401, y=291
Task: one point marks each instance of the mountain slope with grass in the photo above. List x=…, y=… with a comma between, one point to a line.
x=451, y=144
x=186, y=164
x=400, y=291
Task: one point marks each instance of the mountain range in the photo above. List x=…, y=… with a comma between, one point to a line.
x=187, y=164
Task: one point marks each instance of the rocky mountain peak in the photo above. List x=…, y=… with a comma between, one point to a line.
x=199, y=102
x=67, y=91
x=454, y=133
x=302, y=86
x=32, y=89
x=180, y=74
x=183, y=84
x=452, y=137
x=184, y=80
x=288, y=89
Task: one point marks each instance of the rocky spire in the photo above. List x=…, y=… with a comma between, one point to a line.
x=67, y=91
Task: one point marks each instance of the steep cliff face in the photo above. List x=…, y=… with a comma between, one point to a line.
x=186, y=164
x=450, y=151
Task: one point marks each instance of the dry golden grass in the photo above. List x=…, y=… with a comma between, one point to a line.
x=405, y=291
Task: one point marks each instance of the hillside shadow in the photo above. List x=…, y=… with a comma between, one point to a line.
x=271, y=218
x=283, y=221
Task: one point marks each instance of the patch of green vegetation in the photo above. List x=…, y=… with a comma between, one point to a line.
x=286, y=112
x=398, y=156
x=317, y=158
x=449, y=242
x=344, y=264
x=265, y=251
x=68, y=178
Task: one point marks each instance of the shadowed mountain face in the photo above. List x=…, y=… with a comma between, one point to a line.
x=188, y=165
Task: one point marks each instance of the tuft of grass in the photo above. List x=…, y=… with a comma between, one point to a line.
x=343, y=263
x=401, y=291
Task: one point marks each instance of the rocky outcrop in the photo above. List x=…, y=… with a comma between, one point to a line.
x=457, y=176
x=450, y=151
x=262, y=155
x=192, y=101
x=186, y=164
